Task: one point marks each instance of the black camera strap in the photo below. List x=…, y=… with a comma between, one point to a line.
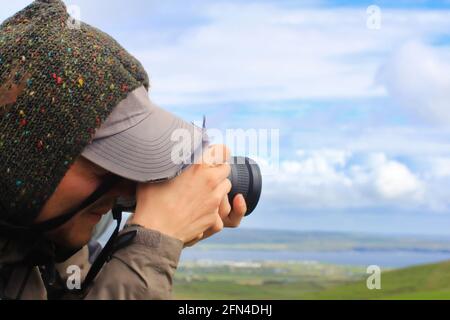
x=54, y=223
x=106, y=253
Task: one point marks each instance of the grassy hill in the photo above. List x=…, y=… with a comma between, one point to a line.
x=310, y=281
x=419, y=282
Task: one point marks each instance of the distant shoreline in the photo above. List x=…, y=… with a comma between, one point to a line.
x=361, y=258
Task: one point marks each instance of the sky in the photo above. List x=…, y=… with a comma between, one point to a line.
x=359, y=91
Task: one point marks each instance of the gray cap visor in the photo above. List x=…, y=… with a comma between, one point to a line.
x=145, y=143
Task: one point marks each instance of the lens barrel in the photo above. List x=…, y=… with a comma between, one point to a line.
x=245, y=179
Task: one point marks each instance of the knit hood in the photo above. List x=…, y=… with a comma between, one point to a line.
x=58, y=84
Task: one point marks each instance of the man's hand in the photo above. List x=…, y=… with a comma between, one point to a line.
x=194, y=205
x=229, y=218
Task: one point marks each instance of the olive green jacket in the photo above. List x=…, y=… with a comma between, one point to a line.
x=143, y=269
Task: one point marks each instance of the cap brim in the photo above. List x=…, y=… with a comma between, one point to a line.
x=157, y=146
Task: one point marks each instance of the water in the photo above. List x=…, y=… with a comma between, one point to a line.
x=391, y=259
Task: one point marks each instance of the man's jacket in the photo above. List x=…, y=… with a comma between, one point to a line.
x=143, y=269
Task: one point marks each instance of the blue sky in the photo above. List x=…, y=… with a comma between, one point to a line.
x=363, y=113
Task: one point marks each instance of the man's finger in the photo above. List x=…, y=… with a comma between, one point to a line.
x=222, y=190
x=225, y=207
x=237, y=213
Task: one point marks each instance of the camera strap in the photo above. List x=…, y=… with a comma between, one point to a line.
x=106, y=253
x=54, y=223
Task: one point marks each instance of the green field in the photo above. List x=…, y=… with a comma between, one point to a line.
x=420, y=282
x=267, y=280
x=271, y=280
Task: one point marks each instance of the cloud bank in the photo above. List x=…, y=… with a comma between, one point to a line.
x=417, y=76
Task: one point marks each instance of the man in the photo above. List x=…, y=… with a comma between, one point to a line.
x=77, y=132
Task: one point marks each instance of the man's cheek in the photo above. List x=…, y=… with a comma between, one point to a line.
x=75, y=233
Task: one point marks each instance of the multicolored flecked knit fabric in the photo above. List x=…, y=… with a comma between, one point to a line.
x=57, y=85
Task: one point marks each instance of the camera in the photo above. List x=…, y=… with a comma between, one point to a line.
x=245, y=179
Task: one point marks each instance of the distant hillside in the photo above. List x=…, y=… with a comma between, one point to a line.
x=309, y=281
x=320, y=241
x=421, y=282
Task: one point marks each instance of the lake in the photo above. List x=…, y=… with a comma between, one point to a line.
x=391, y=259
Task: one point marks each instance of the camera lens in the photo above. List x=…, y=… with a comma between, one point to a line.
x=246, y=179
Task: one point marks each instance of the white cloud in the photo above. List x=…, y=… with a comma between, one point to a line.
x=418, y=78
x=328, y=178
x=265, y=52
x=393, y=180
